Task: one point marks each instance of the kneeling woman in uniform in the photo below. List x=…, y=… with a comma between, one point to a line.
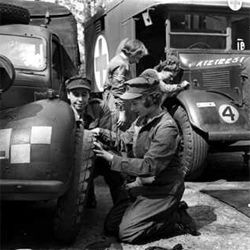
x=150, y=208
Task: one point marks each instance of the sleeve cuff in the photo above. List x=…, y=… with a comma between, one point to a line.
x=116, y=163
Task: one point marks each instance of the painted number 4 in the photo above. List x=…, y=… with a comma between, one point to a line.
x=228, y=113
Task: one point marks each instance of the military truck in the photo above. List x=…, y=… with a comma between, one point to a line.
x=44, y=154
x=212, y=41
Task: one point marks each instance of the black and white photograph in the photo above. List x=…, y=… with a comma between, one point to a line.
x=124, y=124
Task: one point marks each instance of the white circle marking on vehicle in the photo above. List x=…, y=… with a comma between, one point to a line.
x=234, y=4
x=101, y=59
x=228, y=113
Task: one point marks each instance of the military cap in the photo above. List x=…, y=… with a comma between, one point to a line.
x=78, y=82
x=146, y=83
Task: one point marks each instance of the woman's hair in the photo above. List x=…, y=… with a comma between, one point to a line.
x=153, y=97
x=171, y=64
x=134, y=48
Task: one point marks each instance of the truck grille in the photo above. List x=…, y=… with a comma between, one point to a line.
x=212, y=79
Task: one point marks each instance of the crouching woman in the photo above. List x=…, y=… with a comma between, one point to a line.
x=152, y=206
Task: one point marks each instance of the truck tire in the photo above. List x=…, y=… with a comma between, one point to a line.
x=70, y=206
x=12, y=14
x=193, y=146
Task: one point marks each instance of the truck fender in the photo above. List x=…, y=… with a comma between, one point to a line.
x=213, y=113
x=189, y=100
x=46, y=129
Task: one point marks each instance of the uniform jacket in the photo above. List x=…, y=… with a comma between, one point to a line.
x=118, y=73
x=155, y=148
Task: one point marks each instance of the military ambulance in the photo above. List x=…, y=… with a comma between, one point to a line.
x=212, y=41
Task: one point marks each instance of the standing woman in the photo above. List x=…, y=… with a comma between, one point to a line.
x=119, y=72
x=152, y=207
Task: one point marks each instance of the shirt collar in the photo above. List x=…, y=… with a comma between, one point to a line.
x=124, y=57
x=76, y=114
x=78, y=118
x=144, y=121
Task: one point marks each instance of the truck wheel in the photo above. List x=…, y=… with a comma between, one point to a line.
x=193, y=148
x=11, y=14
x=70, y=206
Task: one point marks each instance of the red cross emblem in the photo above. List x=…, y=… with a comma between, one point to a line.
x=234, y=4
x=101, y=58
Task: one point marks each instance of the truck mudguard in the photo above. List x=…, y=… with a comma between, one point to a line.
x=215, y=114
x=36, y=141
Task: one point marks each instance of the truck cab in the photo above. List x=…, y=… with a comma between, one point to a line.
x=35, y=53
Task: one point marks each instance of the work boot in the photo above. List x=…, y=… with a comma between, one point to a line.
x=185, y=223
x=183, y=205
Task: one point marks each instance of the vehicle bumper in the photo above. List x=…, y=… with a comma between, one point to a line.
x=30, y=189
x=229, y=135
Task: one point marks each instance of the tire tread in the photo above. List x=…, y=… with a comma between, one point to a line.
x=195, y=146
x=71, y=205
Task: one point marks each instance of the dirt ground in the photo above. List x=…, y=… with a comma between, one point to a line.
x=221, y=226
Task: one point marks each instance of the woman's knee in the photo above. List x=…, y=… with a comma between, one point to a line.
x=130, y=233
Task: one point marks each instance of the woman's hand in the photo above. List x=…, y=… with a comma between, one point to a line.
x=100, y=152
x=185, y=84
x=121, y=118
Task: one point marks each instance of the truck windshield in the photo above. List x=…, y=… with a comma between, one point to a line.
x=208, y=31
x=24, y=52
x=187, y=29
